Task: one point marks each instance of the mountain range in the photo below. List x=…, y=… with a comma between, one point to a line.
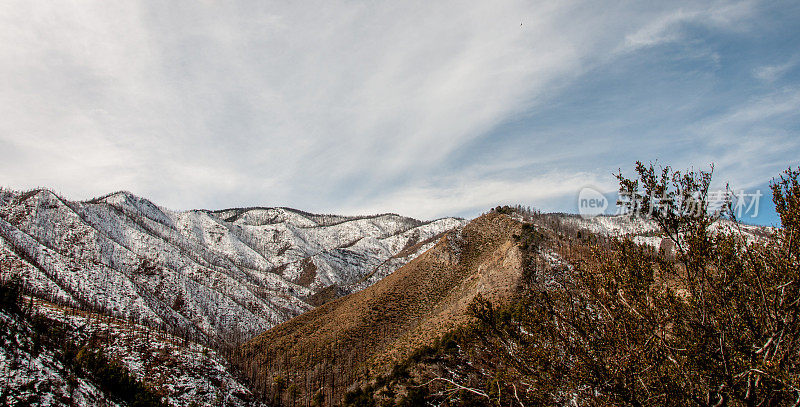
x=271, y=306
x=214, y=275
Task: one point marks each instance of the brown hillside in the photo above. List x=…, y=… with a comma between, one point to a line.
x=326, y=350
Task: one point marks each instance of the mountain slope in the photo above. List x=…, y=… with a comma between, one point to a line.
x=207, y=275
x=332, y=346
x=55, y=355
x=396, y=336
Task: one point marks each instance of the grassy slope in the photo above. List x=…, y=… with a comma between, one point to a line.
x=333, y=346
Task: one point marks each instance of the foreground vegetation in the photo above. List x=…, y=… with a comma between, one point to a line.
x=616, y=323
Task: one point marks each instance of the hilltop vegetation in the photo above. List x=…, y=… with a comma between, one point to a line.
x=618, y=323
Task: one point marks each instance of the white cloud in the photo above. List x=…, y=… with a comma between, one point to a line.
x=470, y=196
x=309, y=94
x=771, y=73
x=761, y=110
x=325, y=106
x=670, y=26
x=664, y=29
x=744, y=141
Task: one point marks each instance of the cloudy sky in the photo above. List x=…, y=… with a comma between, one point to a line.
x=425, y=109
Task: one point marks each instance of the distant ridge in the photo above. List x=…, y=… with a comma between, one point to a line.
x=220, y=275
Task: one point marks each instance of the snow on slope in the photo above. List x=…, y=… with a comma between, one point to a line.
x=217, y=275
x=619, y=225
x=185, y=373
x=646, y=231
x=35, y=376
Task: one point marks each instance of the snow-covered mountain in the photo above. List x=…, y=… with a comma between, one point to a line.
x=210, y=275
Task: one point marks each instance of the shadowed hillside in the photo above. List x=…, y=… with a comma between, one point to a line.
x=333, y=346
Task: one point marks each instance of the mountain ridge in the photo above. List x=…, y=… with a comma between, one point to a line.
x=429, y=296
x=238, y=276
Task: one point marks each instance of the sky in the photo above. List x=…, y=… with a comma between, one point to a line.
x=426, y=109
